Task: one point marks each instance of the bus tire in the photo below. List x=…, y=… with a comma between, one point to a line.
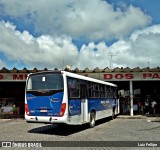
x=92, y=121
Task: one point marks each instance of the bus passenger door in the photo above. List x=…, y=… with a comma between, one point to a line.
x=84, y=110
x=84, y=104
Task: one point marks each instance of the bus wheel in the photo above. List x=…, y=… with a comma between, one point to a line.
x=92, y=119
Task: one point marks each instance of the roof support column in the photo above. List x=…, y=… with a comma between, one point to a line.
x=131, y=97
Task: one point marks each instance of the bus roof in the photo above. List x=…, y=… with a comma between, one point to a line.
x=69, y=74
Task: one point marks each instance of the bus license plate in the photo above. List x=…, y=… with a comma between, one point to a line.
x=43, y=110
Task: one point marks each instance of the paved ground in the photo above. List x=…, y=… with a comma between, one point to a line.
x=147, y=129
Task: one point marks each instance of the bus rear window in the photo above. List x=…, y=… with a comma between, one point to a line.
x=45, y=82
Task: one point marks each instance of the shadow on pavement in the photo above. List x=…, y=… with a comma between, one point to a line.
x=63, y=129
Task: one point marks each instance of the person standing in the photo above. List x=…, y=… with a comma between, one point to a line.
x=17, y=110
x=14, y=109
x=153, y=104
x=146, y=103
x=139, y=106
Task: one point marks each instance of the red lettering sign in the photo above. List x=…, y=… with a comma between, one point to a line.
x=86, y=75
x=151, y=76
x=118, y=76
x=156, y=75
x=147, y=75
x=18, y=77
x=129, y=76
x=108, y=76
x=1, y=76
x=26, y=76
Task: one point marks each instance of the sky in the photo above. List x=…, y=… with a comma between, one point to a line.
x=79, y=33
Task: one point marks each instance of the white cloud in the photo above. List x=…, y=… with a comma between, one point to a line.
x=91, y=19
x=43, y=51
x=136, y=51
x=2, y=64
x=142, y=47
x=49, y=51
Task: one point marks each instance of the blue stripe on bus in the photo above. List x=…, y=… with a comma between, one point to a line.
x=98, y=104
x=50, y=104
x=74, y=107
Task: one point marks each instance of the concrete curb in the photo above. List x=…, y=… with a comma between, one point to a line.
x=11, y=116
x=131, y=117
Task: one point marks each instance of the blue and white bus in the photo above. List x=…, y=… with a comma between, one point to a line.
x=65, y=97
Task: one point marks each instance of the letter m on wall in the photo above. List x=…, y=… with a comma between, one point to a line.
x=17, y=76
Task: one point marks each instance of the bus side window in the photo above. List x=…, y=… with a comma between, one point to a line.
x=109, y=92
x=112, y=92
x=89, y=91
x=73, y=88
x=115, y=95
x=106, y=92
x=83, y=92
x=95, y=90
x=102, y=91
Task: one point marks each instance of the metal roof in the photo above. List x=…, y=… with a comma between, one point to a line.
x=86, y=70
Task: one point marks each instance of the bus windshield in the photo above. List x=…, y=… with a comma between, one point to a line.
x=47, y=81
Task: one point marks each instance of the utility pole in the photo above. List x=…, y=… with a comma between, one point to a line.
x=148, y=63
x=110, y=55
x=63, y=64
